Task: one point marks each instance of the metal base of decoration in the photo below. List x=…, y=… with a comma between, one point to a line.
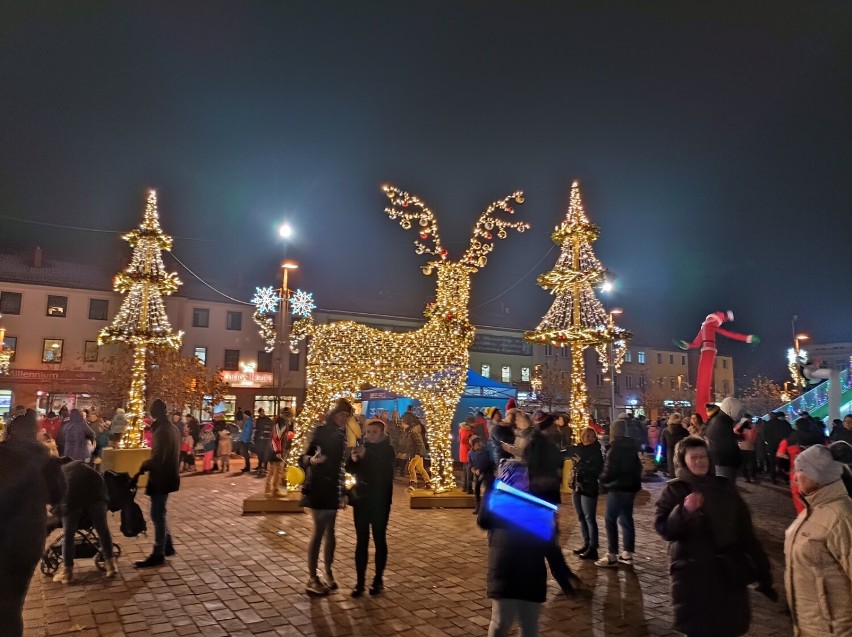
x=452, y=499
x=261, y=503
x=126, y=461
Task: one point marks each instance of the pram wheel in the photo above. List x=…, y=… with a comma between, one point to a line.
x=50, y=562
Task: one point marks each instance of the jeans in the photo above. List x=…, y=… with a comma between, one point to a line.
x=370, y=515
x=467, y=485
x=504, y=612
x=415, y=466
x=324, y=520
x=246, y=451
x=586, y=507
x=70, y=523
x=619, y=512
x=726, y=472
x=158, y=517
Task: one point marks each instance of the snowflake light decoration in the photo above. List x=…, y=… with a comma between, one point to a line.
x=266, y=300
x=302, y=303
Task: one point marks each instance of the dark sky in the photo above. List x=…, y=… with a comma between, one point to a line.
x=714, y=146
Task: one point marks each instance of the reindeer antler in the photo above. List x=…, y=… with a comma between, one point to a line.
x=407, y=208
x=482, y=241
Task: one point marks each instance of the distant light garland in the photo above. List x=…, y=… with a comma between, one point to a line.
x=429, y=364
x=141, y=320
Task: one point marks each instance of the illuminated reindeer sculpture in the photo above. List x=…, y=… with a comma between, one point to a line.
x=429, y=364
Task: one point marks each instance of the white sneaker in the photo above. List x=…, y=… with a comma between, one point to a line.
x=65, y=575
x=607, y=561
x=625, y=558
x=109, y=568
x=316, y=587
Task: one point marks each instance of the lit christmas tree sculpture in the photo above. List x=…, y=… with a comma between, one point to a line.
x=141, y=321
x=577, y=319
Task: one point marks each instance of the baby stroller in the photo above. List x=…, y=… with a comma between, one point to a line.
x=120, y=492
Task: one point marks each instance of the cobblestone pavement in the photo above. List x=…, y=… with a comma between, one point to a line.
x=236, y=575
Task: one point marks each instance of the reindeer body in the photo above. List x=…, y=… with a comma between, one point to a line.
x=428, y=364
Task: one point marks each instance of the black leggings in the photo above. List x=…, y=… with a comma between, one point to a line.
x=324, y=521
x=376, y=516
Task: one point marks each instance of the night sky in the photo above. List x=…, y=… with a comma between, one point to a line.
x=714, y=147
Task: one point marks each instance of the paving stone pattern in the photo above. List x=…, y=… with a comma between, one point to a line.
x=236, y=575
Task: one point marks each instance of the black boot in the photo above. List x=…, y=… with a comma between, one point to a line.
x=582, y=549
x=358, y=590
x=170, y=548
x=378, y=586
x=589, y=554
x=155, y=559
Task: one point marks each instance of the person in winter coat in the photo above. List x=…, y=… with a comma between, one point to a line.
x=806, y=434
x=280, y=448
x=75, y=437
x=52, y=424
x=417, y=451
x=262, y=440
x=841, y=451
x=748, y=448
x=324, y=492
x=818, y=549
x=517, y=577
x=86, y=496
x=713, y=552
x=500, y=432
x=29, y=481
x=654, y=436
x=522, y=429
x=208, y=442
x=843, y=431
x=482, y=468
x=465, y=432
x=372, y=465
x=673, y=434
x=724, y=449
x=246, y=436
x=621, y=479
x=774, y=431
x=223, y=452
x=696, y=425
x=588, y=465
x=163, y=469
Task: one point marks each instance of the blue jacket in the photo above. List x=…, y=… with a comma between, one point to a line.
x=248, y=430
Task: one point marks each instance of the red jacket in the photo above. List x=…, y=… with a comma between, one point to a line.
x=465, y=432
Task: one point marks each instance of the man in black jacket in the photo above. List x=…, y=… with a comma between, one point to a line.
x=372, y=464
x=776, y=429
x=163, y=468
x=263, y=440
x=621, y=479
x=724, y=447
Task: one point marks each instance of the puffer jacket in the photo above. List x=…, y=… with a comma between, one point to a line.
x=588, y=464
x=324, y=484
x=818, y=558
x=622, y=469
x=724, y=450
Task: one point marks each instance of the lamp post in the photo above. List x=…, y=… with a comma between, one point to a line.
x=612, y=314
x=282, y=334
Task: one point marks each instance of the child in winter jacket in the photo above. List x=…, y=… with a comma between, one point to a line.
x=482, y=468
x=225, y=447
x=208, y=442
x=187, y=450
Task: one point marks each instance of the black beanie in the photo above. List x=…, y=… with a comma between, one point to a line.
x=342, y=405
x=158, y=409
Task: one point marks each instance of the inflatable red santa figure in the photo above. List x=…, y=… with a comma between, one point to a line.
x=706, y=340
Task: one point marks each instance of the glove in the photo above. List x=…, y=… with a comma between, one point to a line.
x=768, y=590
x=680, y=344
x=755, y=340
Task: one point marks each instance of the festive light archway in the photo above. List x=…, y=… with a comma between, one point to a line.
x=429, y=364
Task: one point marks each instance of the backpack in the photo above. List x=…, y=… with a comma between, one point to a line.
x=132, y=521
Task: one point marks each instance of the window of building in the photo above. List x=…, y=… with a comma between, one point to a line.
x=51, y=351
x=683, y=359
x=599, y=380
x=617, y=388
x=659, y=359
x=548, y=350
x=98, y=309
x=10, y=302
x=724, y=363
x=564, y=352
x=671, y=359
x=200, y=317
x=232, y=360
x=201, y=354
x=525, y=374
x=57, y=305
x=506, y=374
x=642, y=382
x=90, y=352
x=485, y=370
x=628, y=356
x=294, y=362
x=234, y=321
x=10, y=344
x=628, y=382
x=640, y=358
x=264, y=361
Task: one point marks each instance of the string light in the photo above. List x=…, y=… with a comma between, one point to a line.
x=577, y=319
x=302, y=303
x=429, y=364
x=141, y=321
x=266, y=300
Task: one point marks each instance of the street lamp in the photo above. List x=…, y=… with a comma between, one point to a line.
x=612, y=314
x=283, y=336
x=285, y=231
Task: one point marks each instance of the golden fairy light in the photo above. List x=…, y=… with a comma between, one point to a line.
x=141, y=321
x=577, y=318
x=428, y=364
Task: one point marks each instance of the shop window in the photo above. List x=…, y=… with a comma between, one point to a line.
x=57, y=305
x=640, y=358
x=485, y=370
x=201, y=354
x=10, y=344
x=234, y=321
x=201, y=317
x=525, y=374
x=264, y=361
x=90, y=353
x=10, y=302
x=294, y=362
x=232, y=360
x=98, y=309
x=506, y=374
x=52, y=350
